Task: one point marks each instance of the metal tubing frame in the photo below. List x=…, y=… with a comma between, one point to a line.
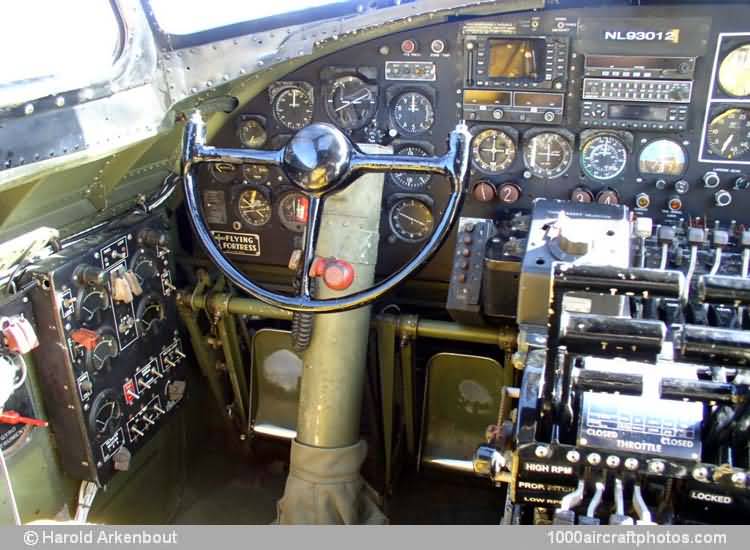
x=407, y=328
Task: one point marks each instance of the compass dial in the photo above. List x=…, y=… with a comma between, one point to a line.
x=548, y=155
x=411, y=180
x=493, y=151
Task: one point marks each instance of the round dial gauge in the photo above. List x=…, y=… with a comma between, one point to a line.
x=105, y=349
x=254, y=207
x=413, y=113
x=293, y=209
x=146, y=268
x=493, y=151
x=293, y=108
x=252, y=134
x=255, y=172
x=90, y=305
x=604, y=157
x=548, y=155
x=729, y=134
x=223, y=172
x=351, y=102
x=410, y=220
x=662, y=157
x=734, y=72
x=150, y=313
x=106, y=414
x=411, y=180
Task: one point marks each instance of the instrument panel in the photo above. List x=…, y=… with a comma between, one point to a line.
x=647, y=107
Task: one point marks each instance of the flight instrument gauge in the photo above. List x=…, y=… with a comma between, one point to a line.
x=252, y=134
x=410, y=220
x=548, y=155
x=255, y=172
x=293, y=107
x=254, y=207
x=351, y=102
x=604, y=157
x=734, y=72
x=411, y=180
x=729, y=134
x=146, y=268
x=662, y=157
x=223, y=172
x=293, y=210
x=493, y=151
x=413, y=113
x=106, y=414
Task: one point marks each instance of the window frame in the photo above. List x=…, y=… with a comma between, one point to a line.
x=309, y=15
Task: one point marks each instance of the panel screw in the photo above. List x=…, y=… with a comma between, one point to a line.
x=573, y=456
x=594, y=459
x=542, y=451
x=631, y=464
x=613, y=461
x=656, y=467
x=700, y=473
x=739, y=479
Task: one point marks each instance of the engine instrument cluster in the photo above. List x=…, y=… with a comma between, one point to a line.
x=110, y=354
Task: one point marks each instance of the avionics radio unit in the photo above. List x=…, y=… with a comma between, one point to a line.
x=498, y=61
x=637, y=92
x=508, y=106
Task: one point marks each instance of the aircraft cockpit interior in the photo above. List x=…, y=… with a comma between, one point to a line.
x=369, y=262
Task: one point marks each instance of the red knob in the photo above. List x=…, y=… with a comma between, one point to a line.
x=337, y=274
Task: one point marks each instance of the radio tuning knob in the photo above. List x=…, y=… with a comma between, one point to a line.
x=741, y=183
x=483, y=192
x=608, y=196
x=581, y=194
x=509, y=193
x=711, y=180
x=674, y=204
x=723, y=198
x=681, y=187
x=642, y=200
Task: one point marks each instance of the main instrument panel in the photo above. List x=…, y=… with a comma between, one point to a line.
x=646, y=107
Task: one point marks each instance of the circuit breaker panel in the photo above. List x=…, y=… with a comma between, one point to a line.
x=110, y=354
